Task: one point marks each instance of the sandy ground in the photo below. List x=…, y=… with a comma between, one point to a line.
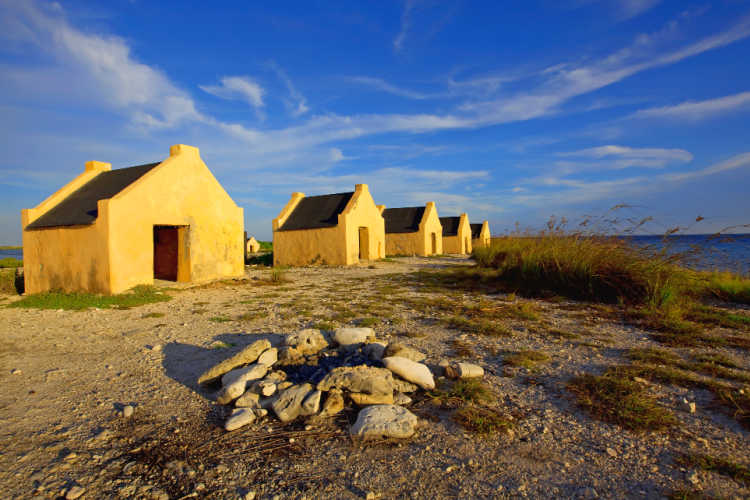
x=65, y=375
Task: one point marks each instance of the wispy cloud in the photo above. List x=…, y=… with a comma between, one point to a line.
x=630, y=8
x=384, y=86
x=398, y=42
x=237, y=87
x=699, y=110
x=297, y=102
x=624, y=157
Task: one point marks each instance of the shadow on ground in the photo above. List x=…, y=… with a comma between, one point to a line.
x=185, y=362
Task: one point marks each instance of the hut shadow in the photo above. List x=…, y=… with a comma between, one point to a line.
x=184, y=363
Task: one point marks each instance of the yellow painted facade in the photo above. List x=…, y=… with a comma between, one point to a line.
x=359, y=232
x=252, y=245
x=484, y=236
x=460, y=243
x=428, y=240
x=116, y=252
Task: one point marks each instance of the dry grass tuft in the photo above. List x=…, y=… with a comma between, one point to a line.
x=526, y=359
x=723, y=466
x=481, y=420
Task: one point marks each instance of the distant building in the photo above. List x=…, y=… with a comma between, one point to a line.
x=413, y=230
x=456, y=234
x=333, y=229
x=252, y=245
x=480, y=235
x=109, y=230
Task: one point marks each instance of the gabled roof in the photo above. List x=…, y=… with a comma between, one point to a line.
x=403, y=220
x=476, y=230
x=79, y=208
x=450, y=225
x=315, y=212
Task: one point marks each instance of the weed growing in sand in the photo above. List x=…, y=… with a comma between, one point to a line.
x=526, y=359
x=138, y=296
x=461, y=392
x=723, y=466
x=249, y=316
x=615, y=398
x=462, y=348
x=324, y=325
x=369, y=321
x=154, y=315
x=220, y=319
x=481, y=420
x=564, y=334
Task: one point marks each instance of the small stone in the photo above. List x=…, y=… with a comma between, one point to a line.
x=401, y=399
x=309, y=341
x=693, y=478
x=127, y=412
x=248, y=400
x=247, y=355
x=641, y=380
x=688, y=406
x=269, y=357
x=403, y=351
x=351, y=338
x=239, y=418
x=410, y=371
x=16, y=371
x=334, y=403
x=401, y=385
x=384, y=421
x=612, y=453
x=75, y=492
x=311, y=404
x=288, y=405
x=371, y=495
x=156, y=347
x=464, y=370
x=250, y=495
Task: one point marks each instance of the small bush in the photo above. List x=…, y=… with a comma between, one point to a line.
x=220, y=319
x=526, y=359
x=482, y=420
x=615, y=398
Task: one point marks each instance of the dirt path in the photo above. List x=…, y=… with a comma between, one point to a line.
x=65, y=375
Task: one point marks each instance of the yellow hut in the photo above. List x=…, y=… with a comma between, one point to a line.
x=412, y=230
x=109, y=230
x=333, y=229
x=456, y=234
x=480, y=235
x=252, y=245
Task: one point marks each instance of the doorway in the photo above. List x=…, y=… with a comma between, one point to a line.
x=169, y=254
x=466, y=245
x=364, y=243
x=433, y=237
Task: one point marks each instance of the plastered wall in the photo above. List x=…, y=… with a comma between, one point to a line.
x=420, y=242
x=461, y=243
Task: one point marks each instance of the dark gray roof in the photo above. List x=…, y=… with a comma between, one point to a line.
x=476, y=229
x=314, y=212
x=403, y=220
x=79, y=208
x=450, y=225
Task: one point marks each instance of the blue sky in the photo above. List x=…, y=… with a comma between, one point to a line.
x=510, y=111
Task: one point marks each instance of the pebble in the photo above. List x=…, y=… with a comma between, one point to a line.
x=127, y=412
x=15, y=371
x=612, y=453
x=75, y=492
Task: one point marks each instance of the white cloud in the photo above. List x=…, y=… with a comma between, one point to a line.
x=398, y=42
x=383, y=86
x=238, y=87
x=699, y=110
x=298, y=103
x=623, y=157
x=631, y=8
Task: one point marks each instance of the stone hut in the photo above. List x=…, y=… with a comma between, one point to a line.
x=107, y=231
x=252, y=245
x=480, y=235
x=456, y=234
x=333, y=229
x=413, y=230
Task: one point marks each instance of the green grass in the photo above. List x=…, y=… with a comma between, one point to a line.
x=729, y=287
x=368, y=321
x=266, y=246
x=10, y=247
x=10, y=262
x=526, y=359
x=249, y=316
x=220, y=319
x=10, y=283
x=263, y=260
x=723, y=466
x=615, y=398
x=482, y=326
x=481, y=420
x=324, y=325
x=138, y=296
x=461, y=392
x=154, y=315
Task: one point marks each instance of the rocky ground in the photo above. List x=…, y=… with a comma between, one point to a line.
x=70, y=378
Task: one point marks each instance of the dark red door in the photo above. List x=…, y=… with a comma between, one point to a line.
x=165, y=253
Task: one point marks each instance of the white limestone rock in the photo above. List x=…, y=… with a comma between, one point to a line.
x=288, y=404
x=384, y=421
x=269, y=357
x=411, y=371
x=311, y=404
x=403, y=351
x=247, y=355
x=309, y=341
x=464, y=370
x=351, y=338
x=240, y=417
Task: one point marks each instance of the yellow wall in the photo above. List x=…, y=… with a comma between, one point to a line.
x=117, y=250
x=419, y=242
x=461, y=243
x=484, y=236
x=333, y=246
